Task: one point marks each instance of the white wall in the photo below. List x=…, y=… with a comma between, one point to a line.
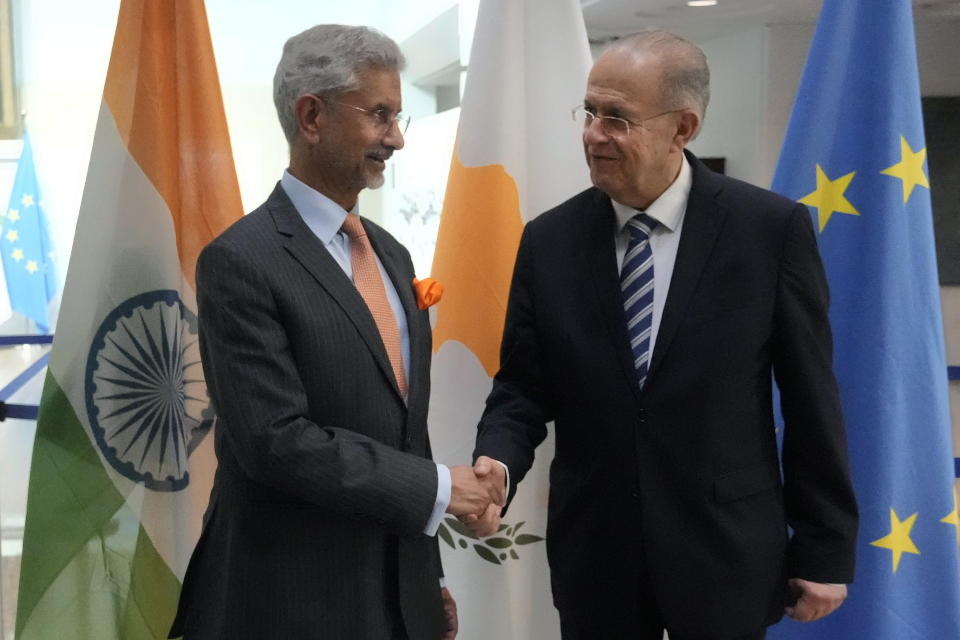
x=733, y=127
x=937, y=42
x=789, y=45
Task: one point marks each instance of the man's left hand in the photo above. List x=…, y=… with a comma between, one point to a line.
x=450, y=613
x=814, y=599
x=490, y=470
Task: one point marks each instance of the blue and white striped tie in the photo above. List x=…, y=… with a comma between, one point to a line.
x=636, y=284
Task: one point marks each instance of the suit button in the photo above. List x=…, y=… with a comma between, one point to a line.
x=635, y=495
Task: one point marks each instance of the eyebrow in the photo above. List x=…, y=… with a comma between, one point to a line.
x=616, y=111
x=385, y=108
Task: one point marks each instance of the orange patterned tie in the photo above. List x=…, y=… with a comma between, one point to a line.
x=366, y=277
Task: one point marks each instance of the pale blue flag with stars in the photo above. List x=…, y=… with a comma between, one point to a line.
x=25, y=246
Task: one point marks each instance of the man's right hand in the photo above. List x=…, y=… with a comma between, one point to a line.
x=471, y=493
x=485, y=525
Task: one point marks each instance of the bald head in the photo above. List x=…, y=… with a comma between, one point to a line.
x=683, y=73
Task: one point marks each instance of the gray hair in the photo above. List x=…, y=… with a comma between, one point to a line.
x=685, y=79
x=325, y=60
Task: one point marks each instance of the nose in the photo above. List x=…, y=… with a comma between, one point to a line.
x=593, y=132
x=393, y=137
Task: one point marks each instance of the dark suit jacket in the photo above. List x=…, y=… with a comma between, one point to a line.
x=679, y=481
x=324, y=483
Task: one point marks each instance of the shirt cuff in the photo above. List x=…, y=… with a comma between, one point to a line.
x=444, y=486
x=506, y=471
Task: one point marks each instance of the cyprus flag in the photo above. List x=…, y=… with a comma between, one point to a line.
x=518, y=153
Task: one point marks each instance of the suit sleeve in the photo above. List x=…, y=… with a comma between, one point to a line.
x=820, y=503
x=517, y=409
x=257, y=391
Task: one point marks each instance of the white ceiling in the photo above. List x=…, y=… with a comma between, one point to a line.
x=607, y=19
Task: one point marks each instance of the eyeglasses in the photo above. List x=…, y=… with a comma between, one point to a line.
x=612, y=126
x=383, y=117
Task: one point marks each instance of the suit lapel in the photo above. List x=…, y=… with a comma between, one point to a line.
x=598, y=258
x=304, y=246
x=701, y=225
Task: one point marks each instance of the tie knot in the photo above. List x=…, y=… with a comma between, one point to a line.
x=352, y=226
x=641, y=223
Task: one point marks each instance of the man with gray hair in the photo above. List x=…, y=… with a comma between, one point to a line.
x=323, y=514
x=646, y=316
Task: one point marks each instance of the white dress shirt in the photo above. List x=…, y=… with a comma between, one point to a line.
x=324, y=217
x=668, y=211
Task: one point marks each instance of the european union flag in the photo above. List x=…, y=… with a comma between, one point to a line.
x=855, y=153
x=25, y=245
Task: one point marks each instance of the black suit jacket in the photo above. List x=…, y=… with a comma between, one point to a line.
x=679, y=482
x=324, y=483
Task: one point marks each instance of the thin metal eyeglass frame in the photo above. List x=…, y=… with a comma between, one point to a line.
x=590, y=117
x=401, y=119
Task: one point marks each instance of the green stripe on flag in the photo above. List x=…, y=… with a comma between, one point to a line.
x=88, y=570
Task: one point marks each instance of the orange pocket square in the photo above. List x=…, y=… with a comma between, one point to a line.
x=428, y=291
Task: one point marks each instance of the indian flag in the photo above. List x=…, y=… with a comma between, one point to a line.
x=517, y=154
x=123, y=459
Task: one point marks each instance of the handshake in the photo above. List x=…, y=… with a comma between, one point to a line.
x=478, y=494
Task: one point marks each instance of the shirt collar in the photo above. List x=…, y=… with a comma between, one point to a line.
x=320, y=213
x=668, y=209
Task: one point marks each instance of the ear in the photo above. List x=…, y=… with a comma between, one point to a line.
x=310, y=113
x=687, y=126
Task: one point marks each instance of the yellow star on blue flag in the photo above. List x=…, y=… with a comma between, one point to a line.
x=898, y=540
x=909, y=169
x=828, y=197
x=954, y=517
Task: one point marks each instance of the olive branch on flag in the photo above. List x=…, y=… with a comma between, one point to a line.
x=495, y=548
